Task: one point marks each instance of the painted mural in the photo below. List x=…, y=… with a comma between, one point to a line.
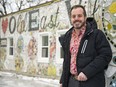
x=112, y=81
x=2, y=57
x=29, y=27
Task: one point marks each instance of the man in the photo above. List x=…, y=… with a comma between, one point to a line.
x=87, y=52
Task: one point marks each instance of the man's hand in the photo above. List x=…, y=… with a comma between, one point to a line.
x=60, y=85
x=82, y=77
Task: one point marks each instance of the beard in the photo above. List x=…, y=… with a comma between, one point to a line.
x=78, y=24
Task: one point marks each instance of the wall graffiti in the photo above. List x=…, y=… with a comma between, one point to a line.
x=52, y=48
x=21, y=24
x=109, y=20
x=3, y=42
x=68, y=6
x=32, y=48
x=52, y=23
x=114, y=60
x=19, y=63
x=42, y=69
x=31, y=68
x=33, y=20
x=4, y=25
x=2, y=57
x=112, y=82
x=20, y=44
x=12, y=24
x=51, y=70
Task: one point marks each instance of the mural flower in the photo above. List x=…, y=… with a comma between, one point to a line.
x=32, y=48
x=20, y=44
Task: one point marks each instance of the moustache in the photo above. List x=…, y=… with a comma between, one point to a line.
x=76, y=21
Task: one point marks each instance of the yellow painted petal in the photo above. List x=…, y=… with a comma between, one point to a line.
x=112, y=8
x=109, y=26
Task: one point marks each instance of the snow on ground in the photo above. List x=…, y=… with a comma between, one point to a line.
x=44, y=80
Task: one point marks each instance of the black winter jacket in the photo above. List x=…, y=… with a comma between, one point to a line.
x=93, y=56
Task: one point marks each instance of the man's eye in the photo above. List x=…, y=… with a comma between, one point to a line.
x=73, y=16
x=80, y=15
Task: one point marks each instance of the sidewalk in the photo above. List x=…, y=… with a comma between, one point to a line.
x=22, y=77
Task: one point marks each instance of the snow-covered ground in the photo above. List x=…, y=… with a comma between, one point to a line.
x=14, y=80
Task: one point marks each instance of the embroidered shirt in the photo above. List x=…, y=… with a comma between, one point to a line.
x=74, y=46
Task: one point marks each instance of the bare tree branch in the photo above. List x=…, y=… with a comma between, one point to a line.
x=1, y=12
x=3, y=3
x=8, y=5
x=20, y=5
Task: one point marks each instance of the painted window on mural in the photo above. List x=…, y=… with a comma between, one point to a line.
x=45, y=46
x=11, y=46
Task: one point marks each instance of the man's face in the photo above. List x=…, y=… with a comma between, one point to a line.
x=77, y=18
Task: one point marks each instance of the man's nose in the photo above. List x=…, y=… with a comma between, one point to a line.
x=76, y=17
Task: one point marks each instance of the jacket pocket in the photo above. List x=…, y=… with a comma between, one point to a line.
x=84, y=61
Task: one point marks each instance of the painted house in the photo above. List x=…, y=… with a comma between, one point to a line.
x=29, y=38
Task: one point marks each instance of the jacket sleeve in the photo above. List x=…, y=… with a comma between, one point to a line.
x=61, y=40
x=104, y=55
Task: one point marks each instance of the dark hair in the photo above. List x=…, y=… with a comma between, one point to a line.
x=78, y=6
